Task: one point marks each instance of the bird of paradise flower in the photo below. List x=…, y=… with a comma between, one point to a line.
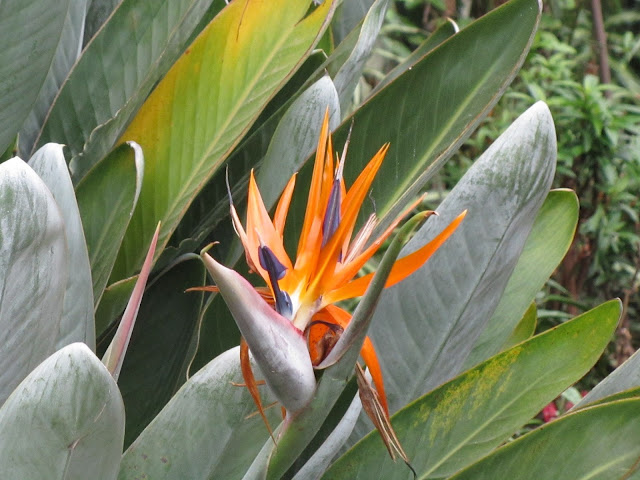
x=328, y=258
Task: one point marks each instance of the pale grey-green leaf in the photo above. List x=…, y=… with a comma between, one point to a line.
x=33, y=272
x=65, y=421
x=425, y=327
x=206, y=431
x=77, y=322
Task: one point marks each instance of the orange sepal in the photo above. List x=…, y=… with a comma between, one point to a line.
x=280, y=217
x=258, y=220
x=353, y=200
x=251, y=384
x=401, y=269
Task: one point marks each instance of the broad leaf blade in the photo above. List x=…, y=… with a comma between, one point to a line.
x=33, y=272
x=464, y=419
x=441, y=309
x=68, y=50
x=427, y=112
x=115, y=74
x=29, y=34
x=225, y=78
x=549, y=241
x=159, y=351
x=65, y=421
x=608, y=437
x=187, y=439
x=77, y=322
x=442, y=33
x=106, y=199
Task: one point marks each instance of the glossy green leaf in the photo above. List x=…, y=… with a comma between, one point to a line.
x=464, y=419
x=33, y=272
x=207, y=429
x=440, y=310
x=116, y=72
x=114, y=356
x=442, y=33
x=29, y=34
x=427, y=112
x=68, y=50
x=548, y=243
x=224, y=80
x=294, y=139
x=525, y=328
x=77, y=322
x=64, y=422
x=599, y=443
x=106, y=199
x=159, y=351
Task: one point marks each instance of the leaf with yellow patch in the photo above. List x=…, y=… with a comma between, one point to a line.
x=207, y=102
x=464, y=419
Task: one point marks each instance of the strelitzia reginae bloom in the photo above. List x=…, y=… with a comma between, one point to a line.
x=300, y=312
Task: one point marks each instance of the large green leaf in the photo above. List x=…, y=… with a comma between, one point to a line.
x=442, y=33
x=549, y=241
x=30, y=31
x=77, y=323
x=429, y=110
x=134, y=49
x=207, y=429
x=213, y=93
x=106, y=199
x=33, y=272
x=159, y=351
x=464, y=419
x=69, y=47
x=599, y=443
x=64, y=422
x=425, y=327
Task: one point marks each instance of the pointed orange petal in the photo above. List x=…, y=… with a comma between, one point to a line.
x=260, y=227
x=349, y=270
x=369, y=356
x=312, y=219
x=250, y=382
x=280, y=217
x=401, y=269
x=353, y=200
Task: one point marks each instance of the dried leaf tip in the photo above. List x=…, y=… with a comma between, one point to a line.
x=372, y=406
